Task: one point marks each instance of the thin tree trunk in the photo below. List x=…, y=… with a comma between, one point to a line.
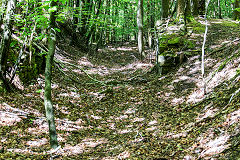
x=219, y=10
x=236, y=14
x=140, y=28
x=195, y=8
x=201, y=7
x=48, y=76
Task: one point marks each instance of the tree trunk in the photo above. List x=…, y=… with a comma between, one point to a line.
x=180, y=9
x=6, y=40
x=75, y=37
x=140, y=28
x=188, y=13
x=150, y=22
x=219, y=10
x=195, y=8
x=201, y=7
x=236, y=14
x=48, y=76
x=165, y=9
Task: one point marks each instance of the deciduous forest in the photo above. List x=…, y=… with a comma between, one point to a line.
x=120, y=79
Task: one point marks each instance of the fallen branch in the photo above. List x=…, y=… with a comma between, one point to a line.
x=235, y=93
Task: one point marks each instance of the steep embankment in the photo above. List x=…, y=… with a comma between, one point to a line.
x=109, y=107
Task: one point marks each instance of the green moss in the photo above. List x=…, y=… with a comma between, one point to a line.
x=162, y=47
x=230, y=24
x=189, y=44
x=191, y=19
x=198, y=29
x=195, y=24
x=174, y=41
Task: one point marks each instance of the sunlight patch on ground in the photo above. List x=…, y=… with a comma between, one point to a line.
x=103, y=71
x=177, y=101
x=125, y=48
x=10, y=116
x=232, y=118
x=131, y=111
x=96, y=117
x=227, y=73
x=71, y=94
x=62, y=57
x=176, y=135
x=24, y=151
x=124, y=155
x=214, y=147
x=18, y=83
x=210, y=112
x=153, y=123
x=37, y=143
x=85, y=62
x=153, y=128
x=137, y=119
x=82, y=147
x=8, y=119
x=124, y=131
x=61, y=124
x=217, y=22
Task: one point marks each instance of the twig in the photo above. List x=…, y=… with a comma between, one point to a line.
x=236, y=92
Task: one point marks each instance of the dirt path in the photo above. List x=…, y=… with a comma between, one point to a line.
x=135, y=115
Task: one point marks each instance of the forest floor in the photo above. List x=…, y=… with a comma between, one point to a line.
x=108, y=106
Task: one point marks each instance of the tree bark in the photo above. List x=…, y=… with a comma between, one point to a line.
x=165, y=9
x=188, y=13
x=219, y=10
x=180, y=9
x=236, y=14
x=48, y=76
x=6, y=40
x=201, y=7
x=195, y=8
x=140, y=28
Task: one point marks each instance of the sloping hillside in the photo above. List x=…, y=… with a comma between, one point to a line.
x=109, y=106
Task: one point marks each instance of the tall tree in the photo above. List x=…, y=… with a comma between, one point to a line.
x=201, y=7
x=140, y=28
x=219, y=10
x=180, y=9
x=236, y=13
x=195, y=8
x=48, y=76
x=165, y=9
x=6, y=40
x=188, y=13
x=150, y=21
